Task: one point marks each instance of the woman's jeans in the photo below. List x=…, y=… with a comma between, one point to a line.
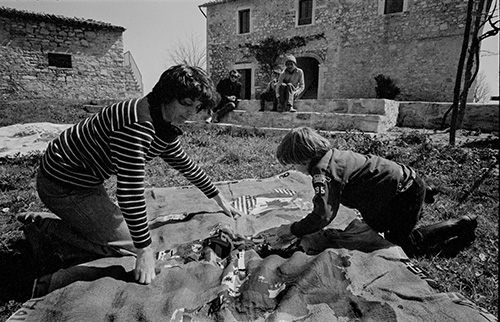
x=89, y=219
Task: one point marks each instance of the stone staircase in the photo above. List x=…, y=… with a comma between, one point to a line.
x=364, y=115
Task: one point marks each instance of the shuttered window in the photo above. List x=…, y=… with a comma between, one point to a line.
x=393, y=6
x=305, y=12
x=244, y=21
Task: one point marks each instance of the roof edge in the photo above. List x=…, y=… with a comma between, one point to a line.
x=48, y=17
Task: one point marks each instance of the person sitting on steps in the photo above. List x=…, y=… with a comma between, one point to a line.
x=290, y=85
x=269, y=94
x=229, y=90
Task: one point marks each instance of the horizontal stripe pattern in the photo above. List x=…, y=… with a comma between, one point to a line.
x=115, y=141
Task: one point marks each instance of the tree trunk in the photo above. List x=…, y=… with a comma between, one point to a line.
x=458, y=79
x=472, y=59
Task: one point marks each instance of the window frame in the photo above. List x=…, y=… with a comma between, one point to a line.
x=382, y=4
x=60, y=60
x=299, y=11
x=239, y=21
x=298, y=17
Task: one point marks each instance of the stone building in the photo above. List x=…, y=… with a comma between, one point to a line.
x=416, y=43
x=51, y=56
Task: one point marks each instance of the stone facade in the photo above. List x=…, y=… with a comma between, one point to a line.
x=49, y=56
x=417, y=48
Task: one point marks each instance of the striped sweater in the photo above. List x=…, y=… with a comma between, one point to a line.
x=119, y=140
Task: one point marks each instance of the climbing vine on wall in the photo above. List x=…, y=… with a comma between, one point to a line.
x=267, y=51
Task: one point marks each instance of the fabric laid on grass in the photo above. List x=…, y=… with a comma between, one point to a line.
x=23, y=139
x=213, y=268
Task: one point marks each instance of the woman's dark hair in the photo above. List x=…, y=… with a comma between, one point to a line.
x=184, y=81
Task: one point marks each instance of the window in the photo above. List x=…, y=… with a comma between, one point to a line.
x=305, y=12
x=244, y=21
x=60, y=60
x=393, y=6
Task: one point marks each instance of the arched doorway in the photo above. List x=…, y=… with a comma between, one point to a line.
x=310, y=66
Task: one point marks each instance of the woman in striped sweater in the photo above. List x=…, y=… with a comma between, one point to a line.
x=120, y=140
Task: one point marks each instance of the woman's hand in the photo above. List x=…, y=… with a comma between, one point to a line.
x=144, y=271
x=226, y=207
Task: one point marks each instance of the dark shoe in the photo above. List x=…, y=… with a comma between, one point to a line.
x=430, y=193
x=433, y=238
x=45, y=257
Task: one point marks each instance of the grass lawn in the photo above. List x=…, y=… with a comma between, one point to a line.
x=468, y=170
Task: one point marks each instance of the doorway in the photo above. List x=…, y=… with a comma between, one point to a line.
x=310, y=66
x=246, y=82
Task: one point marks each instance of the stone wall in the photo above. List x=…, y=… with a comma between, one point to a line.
x=478, y=116
x=97, y=59
x=418, y=49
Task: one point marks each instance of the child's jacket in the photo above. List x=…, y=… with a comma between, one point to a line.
x=363, y=182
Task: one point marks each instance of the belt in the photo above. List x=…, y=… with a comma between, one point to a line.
x=403, y=186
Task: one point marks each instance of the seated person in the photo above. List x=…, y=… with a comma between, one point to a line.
x=230, y=93
x=290, y=85
x=269, y=94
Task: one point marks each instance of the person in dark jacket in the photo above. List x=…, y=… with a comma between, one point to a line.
x=389, y=195
x=229, y=90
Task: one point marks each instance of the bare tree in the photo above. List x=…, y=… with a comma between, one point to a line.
x=190, y=50
x=479, y=12
x=482, y=90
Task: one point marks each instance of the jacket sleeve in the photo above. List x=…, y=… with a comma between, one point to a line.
x=326, y=204
x=301, y=84
x=239, y=87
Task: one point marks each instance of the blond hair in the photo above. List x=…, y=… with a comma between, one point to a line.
x=302, y=145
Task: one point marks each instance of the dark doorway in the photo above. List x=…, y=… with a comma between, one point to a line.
x=310, y=66
x=246, y=81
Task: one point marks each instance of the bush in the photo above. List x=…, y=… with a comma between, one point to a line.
x=385, y=87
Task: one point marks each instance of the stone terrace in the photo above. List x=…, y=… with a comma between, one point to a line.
x=365, y=115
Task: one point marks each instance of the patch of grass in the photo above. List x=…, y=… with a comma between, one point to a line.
x=232, y=154
x=31, y=111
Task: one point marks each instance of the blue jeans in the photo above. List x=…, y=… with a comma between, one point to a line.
x=89, y=219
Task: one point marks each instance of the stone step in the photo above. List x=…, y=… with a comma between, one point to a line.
x=321, y=121
x=264, y=129
x=347, y=106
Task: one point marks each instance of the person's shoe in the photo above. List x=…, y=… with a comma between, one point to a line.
x=292, y=110
x=209, y=120
x=455, y=232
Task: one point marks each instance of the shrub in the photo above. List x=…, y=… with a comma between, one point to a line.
x=385, y=87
